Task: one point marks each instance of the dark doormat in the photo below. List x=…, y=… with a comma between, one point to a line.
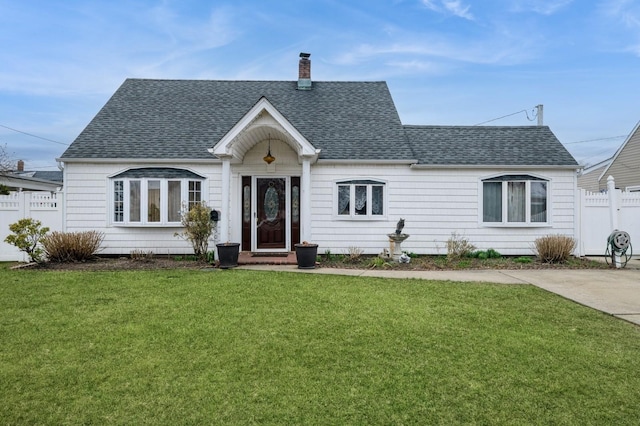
x=263, y=254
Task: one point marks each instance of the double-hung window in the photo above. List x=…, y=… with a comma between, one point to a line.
x=515, y=200
x=360, y=199
x=154, y=196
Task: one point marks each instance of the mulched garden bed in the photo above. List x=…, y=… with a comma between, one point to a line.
x=425, y=263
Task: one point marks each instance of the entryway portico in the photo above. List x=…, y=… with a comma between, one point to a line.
x=271, y=209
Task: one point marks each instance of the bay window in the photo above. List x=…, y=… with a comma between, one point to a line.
x=154, y=196
x=515, y=199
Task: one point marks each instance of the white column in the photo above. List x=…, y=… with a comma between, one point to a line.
x=226, y=202
x=305, y=201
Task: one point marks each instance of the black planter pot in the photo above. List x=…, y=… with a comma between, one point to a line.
x=306, y=255
x=228, y=254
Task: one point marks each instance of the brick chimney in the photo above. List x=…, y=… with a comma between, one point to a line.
x=304, y=72
x=20, y=166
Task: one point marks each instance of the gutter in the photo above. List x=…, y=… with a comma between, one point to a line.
x=494, y=166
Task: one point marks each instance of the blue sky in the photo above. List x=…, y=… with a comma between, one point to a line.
x=450, y=62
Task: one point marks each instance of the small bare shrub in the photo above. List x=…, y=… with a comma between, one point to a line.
x=458, y=246
x=141, y=255
x=72, y=246
x=554, y=248
x=354, y=253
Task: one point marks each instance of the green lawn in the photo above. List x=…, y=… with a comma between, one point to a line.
x=243, y=347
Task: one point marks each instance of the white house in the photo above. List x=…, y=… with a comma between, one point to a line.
x=326, y=162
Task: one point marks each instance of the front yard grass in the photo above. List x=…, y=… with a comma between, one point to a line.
x=245, y=347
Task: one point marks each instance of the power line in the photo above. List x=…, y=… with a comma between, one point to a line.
x=34, y=136
x=595, y=140
x=509, y=115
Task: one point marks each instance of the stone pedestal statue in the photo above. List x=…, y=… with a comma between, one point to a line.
x=395, y=245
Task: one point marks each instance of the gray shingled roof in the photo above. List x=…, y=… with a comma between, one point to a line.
x=488, y=145
x=183, y=118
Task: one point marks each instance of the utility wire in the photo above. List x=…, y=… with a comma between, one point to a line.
x=595, y=140
x=34, y=136
x=509, y=115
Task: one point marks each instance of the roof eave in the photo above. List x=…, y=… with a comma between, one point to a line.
x=496, y=166
x=366, y=161
x=140, y=160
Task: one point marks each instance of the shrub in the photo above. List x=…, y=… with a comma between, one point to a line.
x=197, y=228
x=355, y=253
x=458, y=246
x=554, y=248
x=72, y=246
x=327, y=255
x=141, y=255
x=27, y=236
x=523, y=259
x=378, y=262
x=493, y=254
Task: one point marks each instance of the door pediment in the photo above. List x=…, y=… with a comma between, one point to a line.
x=260, y=123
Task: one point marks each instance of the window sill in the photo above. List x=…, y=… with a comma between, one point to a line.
x=515, y=225
x=360, y=218
x=147, y=225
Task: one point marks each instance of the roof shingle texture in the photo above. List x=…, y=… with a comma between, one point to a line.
x=488, y=145
x=183, y=118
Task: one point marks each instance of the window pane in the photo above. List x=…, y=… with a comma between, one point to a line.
x=295, y=204
x=118, y=201
x=344, y=198
x=195, y=192
x=153, y=201
x=246, y=203
x=361, y=200
x=492, y=202
x=173, y=199
x=376, y=200
x=134, y=201
x=538, y=201
x=517, y=203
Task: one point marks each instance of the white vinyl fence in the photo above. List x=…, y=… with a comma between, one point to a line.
x=43, y=206
x=599, y=213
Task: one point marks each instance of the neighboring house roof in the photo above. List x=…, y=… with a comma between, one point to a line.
x=588, y=178
x=625, y=163
x=32, y=181
x=52, y=176
x=488, y=145
x=182, y=119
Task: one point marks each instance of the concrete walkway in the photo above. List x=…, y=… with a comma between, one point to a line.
x=613, y=291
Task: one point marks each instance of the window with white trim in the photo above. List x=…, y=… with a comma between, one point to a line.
x=360, y=199
x=515, y=199
x=154, y=196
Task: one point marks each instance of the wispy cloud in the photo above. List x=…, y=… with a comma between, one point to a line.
x=157, y=42
x=626, y=12
x=451, y=7
x=543, y=7
x=423, y=52
x=621, y=20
